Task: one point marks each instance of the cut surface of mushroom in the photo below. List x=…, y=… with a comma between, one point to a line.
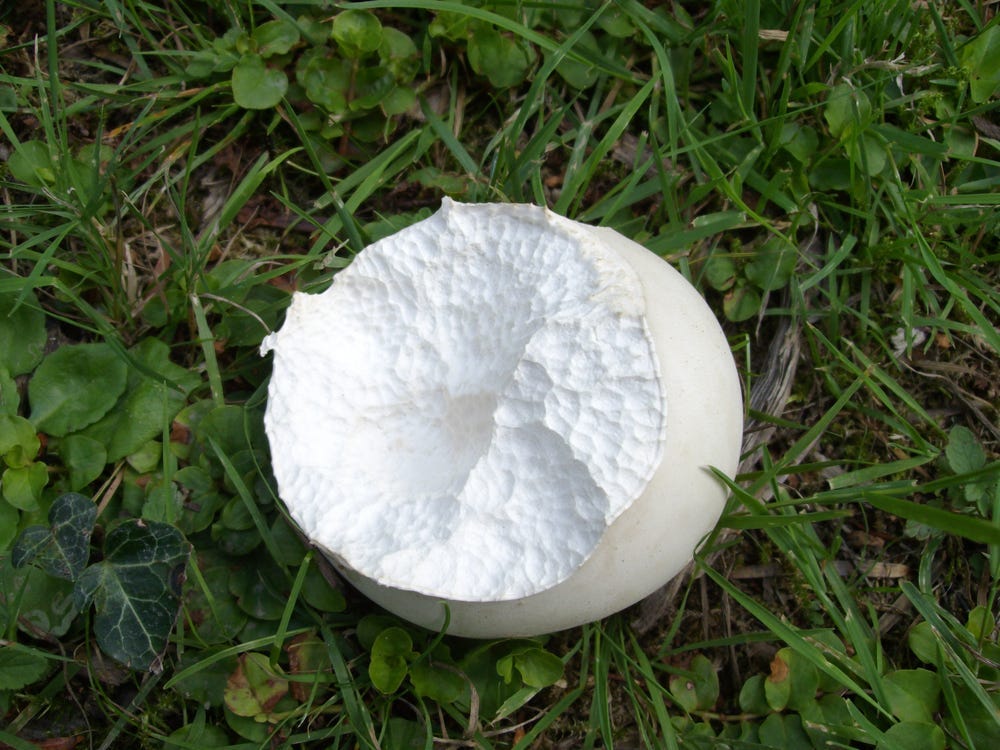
x=478, y=403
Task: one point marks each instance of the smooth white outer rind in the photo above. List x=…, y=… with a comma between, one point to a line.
x=657, y=535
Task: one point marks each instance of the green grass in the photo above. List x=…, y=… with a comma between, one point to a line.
x=829, y=166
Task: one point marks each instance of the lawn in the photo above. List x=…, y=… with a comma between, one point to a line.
x=826, y=174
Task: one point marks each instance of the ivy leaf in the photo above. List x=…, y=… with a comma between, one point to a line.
x=136, y=590
x=255, y=86
x=46, y=604
x=22, y=333
x=62, y=548
x=74, y=387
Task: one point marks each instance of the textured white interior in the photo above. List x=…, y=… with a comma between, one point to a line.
x=469, y=406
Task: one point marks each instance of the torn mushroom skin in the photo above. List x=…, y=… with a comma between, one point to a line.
x=504, y=418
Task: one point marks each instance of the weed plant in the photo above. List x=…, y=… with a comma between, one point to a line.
x=826, y=172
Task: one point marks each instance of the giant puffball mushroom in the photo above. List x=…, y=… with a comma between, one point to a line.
x=504, y=414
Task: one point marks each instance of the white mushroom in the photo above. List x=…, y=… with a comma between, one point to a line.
x=507, y=413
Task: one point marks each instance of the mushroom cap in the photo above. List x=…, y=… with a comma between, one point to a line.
x=507, y=414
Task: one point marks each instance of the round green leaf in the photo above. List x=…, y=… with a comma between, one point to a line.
x=22, y=486
x=742, y=302
x=868, y=152
x=720, y=272
x=10, y=398
x=148, y=407
x=793, y=681
x=698, y=688
x=848, y=110
x=275, y=38
x=964, y=453
x=398, y=101
x=371, y=86
x=196, y=734
x=981, y=622
x=501, y=59
x=74, y=387
x=914, y=694
x=8, y=99
x=436, y=682
x=255, y=86
x=325, y=79
x=391, y=653
x=784, y=731
x=318, y=592
x=800, y=141
x=538, y=667
x=387, y=673
x=924, y=643
x=752, y=698
x=357, y=32
x=9, y=517
x=914, y=736
x=22, y=332
x=19, y=444
x=579, y=74
x=773, y=264
x=399, y=54
x=84, y=457
x=981, y=58
x=213, y=610
x=253, y=592
x=31, y=163
x=254, y=689
x=20, y=667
